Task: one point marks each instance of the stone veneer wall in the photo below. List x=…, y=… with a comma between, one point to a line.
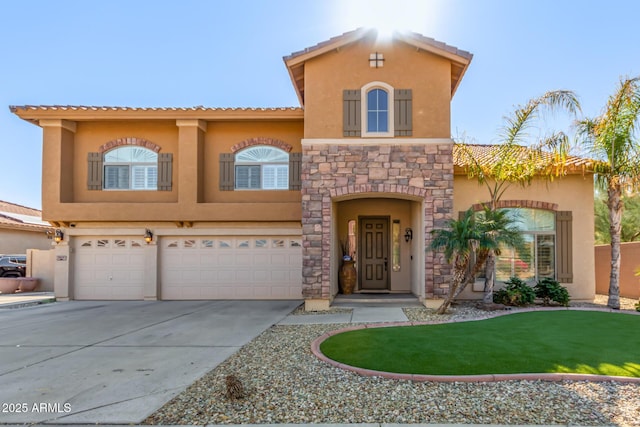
x=411, y=171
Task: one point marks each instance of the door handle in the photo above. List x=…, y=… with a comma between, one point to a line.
x=385, y=264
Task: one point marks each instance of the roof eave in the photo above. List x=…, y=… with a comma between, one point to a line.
x=34, y=114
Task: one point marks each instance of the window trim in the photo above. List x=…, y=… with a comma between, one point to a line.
x=364, y=110
x=261, y=164
x=131, y=165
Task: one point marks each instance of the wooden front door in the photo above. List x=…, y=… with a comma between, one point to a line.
x=373, y=258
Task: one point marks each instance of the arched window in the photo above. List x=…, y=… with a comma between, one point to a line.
x=377, y=111
x=262, y=167
x=377, y=117
x=130, y=168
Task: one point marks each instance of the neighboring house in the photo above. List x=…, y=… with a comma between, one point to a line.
x=22, y=228
x=242, y=203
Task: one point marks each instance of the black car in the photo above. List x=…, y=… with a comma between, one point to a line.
x=13, y=265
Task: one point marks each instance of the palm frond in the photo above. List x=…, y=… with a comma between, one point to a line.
x=515, y=128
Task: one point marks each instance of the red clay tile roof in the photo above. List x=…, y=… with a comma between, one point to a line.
x=487, y=154
x=15, y=108
x=460, y=59
x=34, y=113
x=21, y=217
x=361, y=32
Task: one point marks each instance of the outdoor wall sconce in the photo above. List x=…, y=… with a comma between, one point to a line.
x=148, y=236
x=408, y=235
x=58, y=236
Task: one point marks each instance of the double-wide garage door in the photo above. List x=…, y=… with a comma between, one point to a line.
x=189, y=268
x=108, y=268
x=252, y=267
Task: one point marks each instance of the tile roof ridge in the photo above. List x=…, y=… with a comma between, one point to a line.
x=321, y=44
x=438, y=44
x=14, y=108
x=18, y=205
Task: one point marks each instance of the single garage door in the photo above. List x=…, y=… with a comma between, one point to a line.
x=108, y=268
x=256, y=267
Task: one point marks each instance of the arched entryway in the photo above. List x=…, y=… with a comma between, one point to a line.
x=383, y=235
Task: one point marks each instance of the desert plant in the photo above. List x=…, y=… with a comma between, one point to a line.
x=458, y=241
x=516, y=292
x=550, y=290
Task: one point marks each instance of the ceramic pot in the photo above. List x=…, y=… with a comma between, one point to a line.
x=9, y=285
x=347, y=277
x=27, y=284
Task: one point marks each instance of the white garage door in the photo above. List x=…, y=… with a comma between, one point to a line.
x=108, y=268
x=231, y=268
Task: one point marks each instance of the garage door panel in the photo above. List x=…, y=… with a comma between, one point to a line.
x=261, y=259
x=226, y=259
x=243, y=260
x=245, y=276
x=108, y=268
x=103, y=259
x=231, y=268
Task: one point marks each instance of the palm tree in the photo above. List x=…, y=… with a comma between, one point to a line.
x=497, y=230
x=611, y=138
x=510, y=162
x=458, y=241
x=482, y=233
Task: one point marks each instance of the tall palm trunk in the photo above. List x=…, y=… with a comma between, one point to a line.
x=615, y=205
x=489, y=278
x=459, y=270
x=481, y=257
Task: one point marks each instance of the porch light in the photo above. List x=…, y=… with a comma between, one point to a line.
x=58, y=236
x=408, y=235
x=148, y=236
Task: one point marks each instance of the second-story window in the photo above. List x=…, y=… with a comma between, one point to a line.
x=262, y=168
x=130, y=168
x=377, y=111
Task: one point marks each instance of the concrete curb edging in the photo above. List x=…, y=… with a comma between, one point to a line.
x=315, y=349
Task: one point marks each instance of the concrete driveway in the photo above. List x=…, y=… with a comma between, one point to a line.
x=117, y=362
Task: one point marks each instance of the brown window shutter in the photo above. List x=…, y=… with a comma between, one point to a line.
x=227, y=177
x=295, y=168
x=351, y=112
x=165, y=171
x=94, y=171
x=564, y=249
x=403, y=112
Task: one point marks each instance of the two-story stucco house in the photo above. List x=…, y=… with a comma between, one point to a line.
x=221, y=203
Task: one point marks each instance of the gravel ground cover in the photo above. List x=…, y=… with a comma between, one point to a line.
x=285, y=383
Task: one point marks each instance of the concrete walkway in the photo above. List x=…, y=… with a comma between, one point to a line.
x=116, y=362
x=20, y=300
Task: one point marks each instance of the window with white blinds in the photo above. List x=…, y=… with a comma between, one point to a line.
x=262, y=168
x=130, y=168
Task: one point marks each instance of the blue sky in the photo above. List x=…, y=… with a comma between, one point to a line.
x=229, y=54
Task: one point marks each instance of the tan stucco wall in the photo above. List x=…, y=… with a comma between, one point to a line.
x=428, y=75
x=221, y=136
x=195, y=194
x=90, y=136
x=18, y=241
x=629, y=264
x=399, y=281
x=40, y=264
x=572, y=193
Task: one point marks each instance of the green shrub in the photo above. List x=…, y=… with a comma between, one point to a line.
x=638, y=306
x=516, y=292
x=550, y=290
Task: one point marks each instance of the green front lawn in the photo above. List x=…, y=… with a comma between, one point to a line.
x=535, y=342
